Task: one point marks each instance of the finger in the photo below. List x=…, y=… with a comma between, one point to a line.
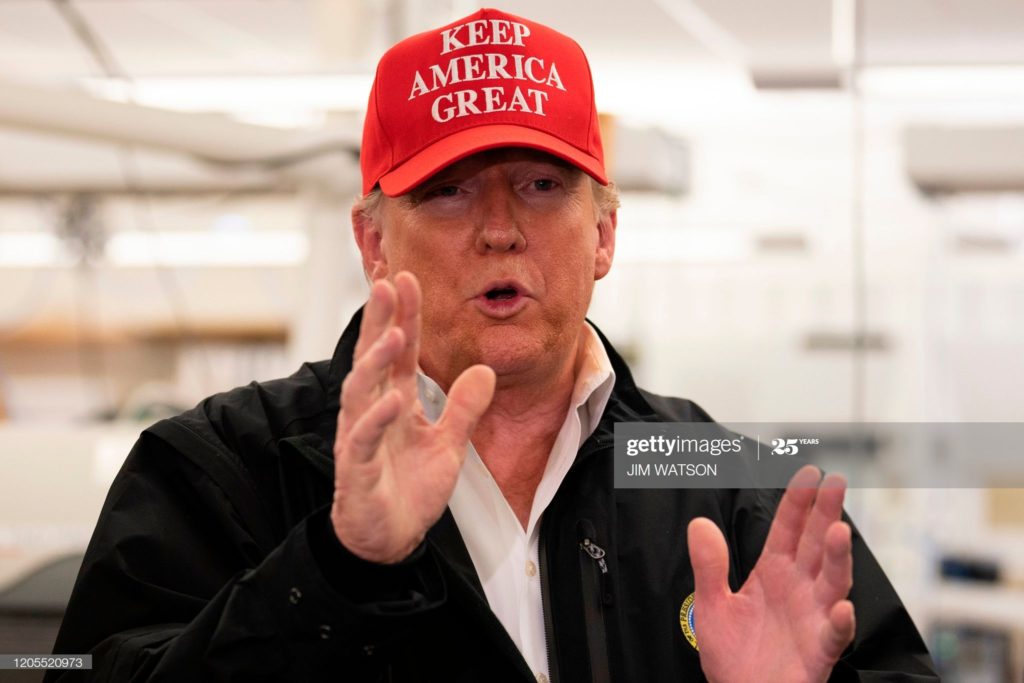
x=836, y=576
x=376, y=315
x=828, y=508
x=838, y=631
x=468, y=399
x=791, y=515
x=366, y=380
x=709, y=556
x=408, y=317
x=368, y=430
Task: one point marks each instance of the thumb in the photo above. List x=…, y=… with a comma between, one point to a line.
x=709, y=556
x=468, y=399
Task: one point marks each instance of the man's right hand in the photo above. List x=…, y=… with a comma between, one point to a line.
x=394, y=471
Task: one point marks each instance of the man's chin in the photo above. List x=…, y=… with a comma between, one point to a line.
x=511, y=351
x=522, y=347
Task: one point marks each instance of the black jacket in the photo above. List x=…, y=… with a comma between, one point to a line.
x=214, y=559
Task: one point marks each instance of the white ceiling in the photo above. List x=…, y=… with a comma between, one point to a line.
x=175, y=37
x=787, y=39
x=944, y=32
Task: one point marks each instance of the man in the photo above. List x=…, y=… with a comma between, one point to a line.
x=436, y=502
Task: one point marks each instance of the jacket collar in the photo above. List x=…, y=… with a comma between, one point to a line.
x=341, y=361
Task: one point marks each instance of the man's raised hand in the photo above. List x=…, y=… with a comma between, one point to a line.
x=790, y=621
x=394, y=470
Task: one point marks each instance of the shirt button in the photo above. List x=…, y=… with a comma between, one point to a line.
x=294, y=595
x=541, y=678
x=531, y=569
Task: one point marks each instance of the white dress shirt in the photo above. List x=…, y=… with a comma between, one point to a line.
x=504, y=554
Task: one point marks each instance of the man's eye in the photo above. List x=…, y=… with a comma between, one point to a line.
x=544, y=184
x=444, y=191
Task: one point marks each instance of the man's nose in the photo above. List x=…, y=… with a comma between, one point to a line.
x=499, y=223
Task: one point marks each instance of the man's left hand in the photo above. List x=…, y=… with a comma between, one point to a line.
x=791, y=620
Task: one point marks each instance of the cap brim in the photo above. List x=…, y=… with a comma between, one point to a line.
x=460, y=145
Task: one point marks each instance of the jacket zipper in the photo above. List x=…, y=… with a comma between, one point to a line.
x=592, y=445
x=545, y=600
x=596, y=596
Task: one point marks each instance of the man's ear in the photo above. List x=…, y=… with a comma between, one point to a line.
x=369, y=238
x=605, y=251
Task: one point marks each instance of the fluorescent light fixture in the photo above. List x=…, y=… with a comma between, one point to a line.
x=178, y=248
x=688, y=246
x=943, y=82
x=288, y=101
x=31, y=250
x=193, y=248
x=625, y=89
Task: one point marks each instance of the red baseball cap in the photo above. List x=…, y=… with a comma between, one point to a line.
x=488, y=80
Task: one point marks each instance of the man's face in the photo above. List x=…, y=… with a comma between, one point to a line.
x=506, y=245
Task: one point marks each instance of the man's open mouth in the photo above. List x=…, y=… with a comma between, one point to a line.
x=503, y=298
x=502, y=293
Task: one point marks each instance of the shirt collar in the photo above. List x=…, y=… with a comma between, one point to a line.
x=594, y=383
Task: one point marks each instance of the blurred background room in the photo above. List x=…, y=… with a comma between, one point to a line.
x=822, y=220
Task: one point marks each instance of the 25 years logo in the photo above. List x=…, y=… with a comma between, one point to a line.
x=791, y=446
x=785, y=447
